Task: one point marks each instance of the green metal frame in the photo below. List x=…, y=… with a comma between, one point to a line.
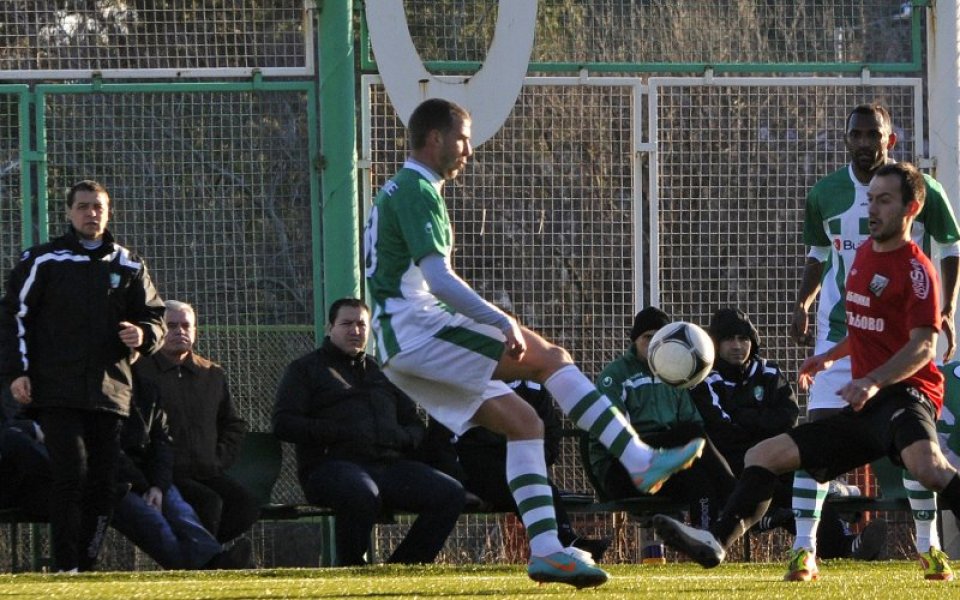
x=337, y=83
x=27, y=156
x=256, y=84
x=369, y=65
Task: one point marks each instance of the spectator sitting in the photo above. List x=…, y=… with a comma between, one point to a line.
x=478, y=460
x=153, y=515
x=204, y=423
x=745, y=398
x=25, y=478
x=174, y=537
x=354, y=433
x=663, y=416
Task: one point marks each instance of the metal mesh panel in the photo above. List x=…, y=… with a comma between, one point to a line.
x=10, y=218
x=736, y=163
x=213, y=190
x=44, y=35
x=608, y=31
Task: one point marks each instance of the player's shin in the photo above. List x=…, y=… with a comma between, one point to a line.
x=527, y=477
x=747, y=504
x=808, y=498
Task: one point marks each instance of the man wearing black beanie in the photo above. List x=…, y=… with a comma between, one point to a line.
x=661, y=414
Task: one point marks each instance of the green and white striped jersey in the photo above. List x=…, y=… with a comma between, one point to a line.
x=408, y=221
x=947, y=429
x=835, y=224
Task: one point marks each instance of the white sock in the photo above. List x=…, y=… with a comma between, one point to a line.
x=808, y=498
x=923, y=505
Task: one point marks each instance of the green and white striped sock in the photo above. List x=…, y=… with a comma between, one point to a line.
x=808, y=498
x=527, y=477
x=579, y=399
x=923, y=505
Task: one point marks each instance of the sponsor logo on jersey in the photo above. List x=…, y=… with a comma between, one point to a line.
x=919, y=279
x=877, y=285
x=758, y=393
x=864, y=322
x=858, y=299
x=842, y=245
x=428, y=228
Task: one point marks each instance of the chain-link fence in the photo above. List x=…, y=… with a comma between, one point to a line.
x=622, y=36
x=154, y=38
x=10, y=174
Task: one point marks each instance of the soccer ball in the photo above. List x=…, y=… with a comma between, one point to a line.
x=681, y=354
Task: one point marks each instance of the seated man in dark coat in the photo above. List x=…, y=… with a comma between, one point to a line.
x=204, y=423
x=153, y=514
x=354, y=433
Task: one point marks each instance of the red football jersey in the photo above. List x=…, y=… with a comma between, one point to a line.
x=888, y=294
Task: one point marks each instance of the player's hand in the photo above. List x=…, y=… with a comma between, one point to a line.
x=949, y=330
x=21, y=390
x=130, y=335
x=154, y=498
x=857, y=392
x=516, y=345
x=810, y=367
x=800, y=327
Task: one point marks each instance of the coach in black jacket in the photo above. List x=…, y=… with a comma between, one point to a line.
x=77, y=311
x=353, y=431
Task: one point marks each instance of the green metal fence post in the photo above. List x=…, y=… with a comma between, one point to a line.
x=338, y=140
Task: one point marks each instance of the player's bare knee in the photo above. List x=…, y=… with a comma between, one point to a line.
x=931, y=476
x=755, y=457
x=527, y=427
x=553, y=359
x=778, y=454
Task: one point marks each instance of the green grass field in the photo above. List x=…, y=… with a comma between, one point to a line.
x=840, y=580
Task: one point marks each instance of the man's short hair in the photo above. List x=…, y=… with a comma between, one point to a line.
x=337, y=304
x=87, y=185
x=435, y=113
x=912, y=184
x=872, y=109
x=181, y=306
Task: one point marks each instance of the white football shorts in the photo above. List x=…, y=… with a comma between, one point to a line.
x=450, y=376
x=826, y=384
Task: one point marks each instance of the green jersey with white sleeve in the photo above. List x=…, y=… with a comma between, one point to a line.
x=836, y=223
x=407, y=222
